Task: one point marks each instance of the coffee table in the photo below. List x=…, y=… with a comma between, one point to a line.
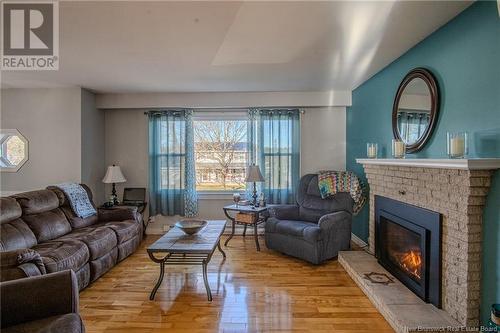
x=177, y=248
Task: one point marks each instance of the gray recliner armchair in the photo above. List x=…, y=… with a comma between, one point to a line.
x=314, y=229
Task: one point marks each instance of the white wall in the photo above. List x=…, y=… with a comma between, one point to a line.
x=323, y=139
x=126, y=145
x=226, y=99
x=50, y=121
x=92, y=131
x=65, y=132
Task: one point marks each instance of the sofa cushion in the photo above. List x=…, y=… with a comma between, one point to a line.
x=37, y=201
x=16, y=235
x=124, y=230
x=68, y=323
x=308, y=231
x=48, y=225
x=100, y=240
x=58, y=255
x=9, y=210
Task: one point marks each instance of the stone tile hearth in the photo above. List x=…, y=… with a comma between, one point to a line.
x=404, y=311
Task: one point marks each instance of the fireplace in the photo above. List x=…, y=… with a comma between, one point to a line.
x=408, y=244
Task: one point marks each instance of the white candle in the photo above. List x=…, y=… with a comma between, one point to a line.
x=399, y=148
x=457, y=146
x=372, y=152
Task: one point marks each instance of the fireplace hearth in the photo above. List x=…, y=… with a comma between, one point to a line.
x=408, y=245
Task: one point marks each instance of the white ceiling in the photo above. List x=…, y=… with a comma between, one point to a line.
x=233, y=46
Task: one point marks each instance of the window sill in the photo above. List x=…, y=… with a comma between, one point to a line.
x=217, y=195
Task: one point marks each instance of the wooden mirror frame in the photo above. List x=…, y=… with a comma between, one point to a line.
x=431, y=82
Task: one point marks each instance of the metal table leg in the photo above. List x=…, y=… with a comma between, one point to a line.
x=256, y=236
x=220, y=249
x=205, y=279
x=162, y=273
x=232, y=227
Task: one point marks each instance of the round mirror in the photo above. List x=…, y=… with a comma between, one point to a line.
x=415, y=109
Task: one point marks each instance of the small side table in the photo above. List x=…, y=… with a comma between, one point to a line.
x=258, y=218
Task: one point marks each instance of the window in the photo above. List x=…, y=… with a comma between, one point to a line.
x=276, y=150
x=220, y=153
x=13, y=150
x=278, y=153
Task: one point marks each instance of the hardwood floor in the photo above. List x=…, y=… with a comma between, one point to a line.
x=252, y=292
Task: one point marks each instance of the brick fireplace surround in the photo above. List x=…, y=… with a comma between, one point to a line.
x=457, y=189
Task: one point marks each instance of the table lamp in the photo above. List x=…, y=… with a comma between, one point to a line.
x=253, y=176
x=114, y=175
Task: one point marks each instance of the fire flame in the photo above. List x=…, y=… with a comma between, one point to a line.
x=412, y=262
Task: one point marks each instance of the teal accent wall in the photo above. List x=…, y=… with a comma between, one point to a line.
x=464, y=55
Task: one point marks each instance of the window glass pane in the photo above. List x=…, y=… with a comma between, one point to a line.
x=277, y=167
x=220, y=154
x=172, y=137
x=15, y=150
x=171, y=177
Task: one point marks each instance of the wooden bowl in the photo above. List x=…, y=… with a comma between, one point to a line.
x=191, y=226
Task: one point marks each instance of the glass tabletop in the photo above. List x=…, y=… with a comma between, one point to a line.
x=245, y=208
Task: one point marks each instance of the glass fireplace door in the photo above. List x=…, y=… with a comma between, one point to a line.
x=403, y=252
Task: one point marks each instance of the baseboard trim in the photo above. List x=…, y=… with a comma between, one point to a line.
x=260, y=230
x=358, y=241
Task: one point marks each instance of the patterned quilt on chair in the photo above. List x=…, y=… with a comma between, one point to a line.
x=333, y=182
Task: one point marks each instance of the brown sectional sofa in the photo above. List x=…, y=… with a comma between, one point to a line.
x=39, y=233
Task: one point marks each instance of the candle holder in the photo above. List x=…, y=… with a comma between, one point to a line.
x=372, y=150
x=398, y=148
x=457, y=145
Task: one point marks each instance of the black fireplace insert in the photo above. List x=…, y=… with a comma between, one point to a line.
x=408, y=245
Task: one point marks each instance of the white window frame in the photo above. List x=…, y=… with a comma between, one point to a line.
x=5, y=134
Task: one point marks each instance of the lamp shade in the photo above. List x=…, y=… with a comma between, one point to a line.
x=253, y=174
x=114, y=175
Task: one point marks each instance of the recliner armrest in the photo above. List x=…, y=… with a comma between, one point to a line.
x=284, y=212
x=38, y=297
x=121, y=213
x=20, y=263
x=338, y=220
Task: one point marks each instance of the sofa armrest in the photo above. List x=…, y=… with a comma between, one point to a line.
x=20, y=263
x=284, y=212
x=38, y=297
x=340, y=221
x=120, y=213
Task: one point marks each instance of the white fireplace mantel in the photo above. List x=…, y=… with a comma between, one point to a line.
x=462, y=164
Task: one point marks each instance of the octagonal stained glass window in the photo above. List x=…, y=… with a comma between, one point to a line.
x=13, y=150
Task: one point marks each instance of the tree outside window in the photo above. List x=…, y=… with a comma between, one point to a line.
x=220, y=154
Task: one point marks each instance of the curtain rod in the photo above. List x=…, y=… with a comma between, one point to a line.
x=301, y=110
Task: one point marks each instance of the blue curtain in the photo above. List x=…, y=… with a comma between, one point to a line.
x=412, y=124
x=172, y=181
x=274, y=145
